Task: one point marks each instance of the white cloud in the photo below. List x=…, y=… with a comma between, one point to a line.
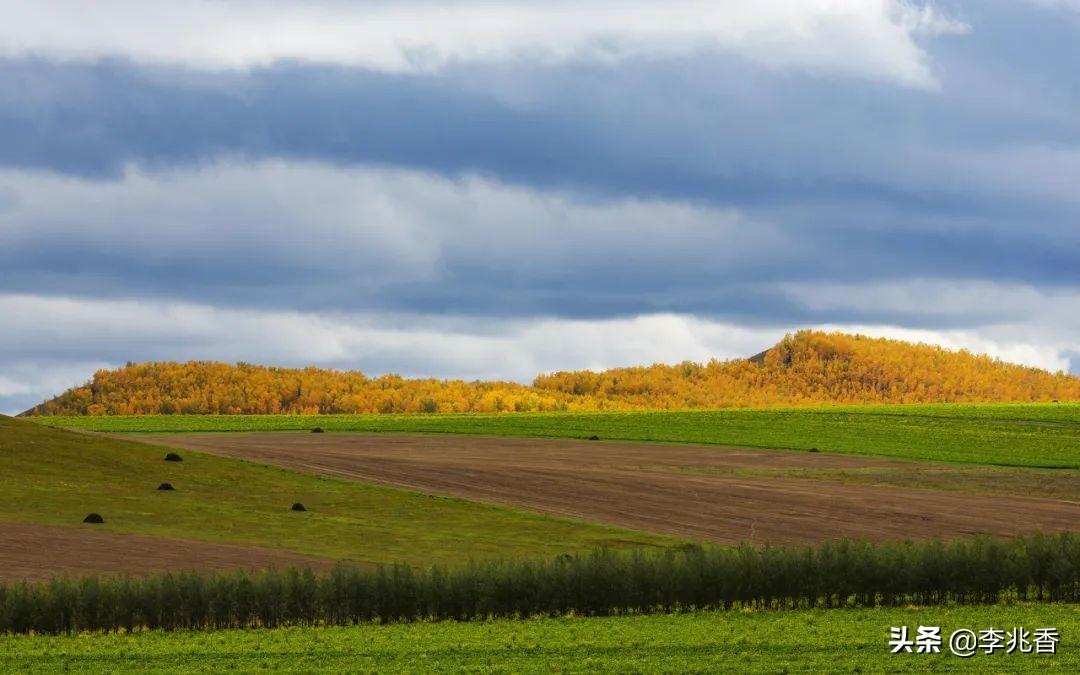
x=297, y=234
x=43, y=379
x=26, y=383
x=296, y=219
x=114, y=331
x=871, y=38
x=1014, y=322
x=73, y=337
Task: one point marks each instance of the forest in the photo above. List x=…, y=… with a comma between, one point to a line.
x=805, y=368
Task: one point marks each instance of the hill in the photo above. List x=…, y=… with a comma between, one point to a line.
x=805, y=368
x=813, y=367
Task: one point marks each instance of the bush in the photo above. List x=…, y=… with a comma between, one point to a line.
x=980, y=570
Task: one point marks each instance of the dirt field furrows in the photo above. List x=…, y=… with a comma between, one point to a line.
x=678, y=490
x=37, y=552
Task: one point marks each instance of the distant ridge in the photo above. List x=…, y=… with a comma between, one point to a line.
x=806, y=368
x=758, y=358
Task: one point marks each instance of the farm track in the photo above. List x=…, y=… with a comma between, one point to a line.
x=38, y=552
x=648, y=487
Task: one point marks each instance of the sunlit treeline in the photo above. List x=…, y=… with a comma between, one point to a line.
x=803, y=369
x=814, y=367
x=205, y=387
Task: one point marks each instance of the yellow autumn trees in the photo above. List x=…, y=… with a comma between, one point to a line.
x=812, y=367
x=207, y=387
x=807, y=368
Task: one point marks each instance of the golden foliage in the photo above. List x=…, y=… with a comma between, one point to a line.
x=207, y=387
x=806, y=368
x=813, y=367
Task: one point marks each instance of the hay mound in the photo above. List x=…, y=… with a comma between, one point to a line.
x=317, y=430
x=298, y=507
x=166, y=486
x=173, y=457
x=94, y=518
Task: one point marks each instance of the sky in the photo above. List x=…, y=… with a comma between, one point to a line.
x=496, y=189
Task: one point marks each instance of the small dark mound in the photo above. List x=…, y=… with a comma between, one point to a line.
x=298, y=507
x=166, y=486
x=318, y=430
x=94, y=518
x=173, y=457
x=814, y=450
x=594, y=437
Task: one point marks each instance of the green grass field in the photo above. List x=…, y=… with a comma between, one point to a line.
x=56, y=477
x=964, y=478
x=1028, y=435
x=839, y=640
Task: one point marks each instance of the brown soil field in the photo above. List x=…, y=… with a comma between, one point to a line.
x=707, y=493
x=38, y=552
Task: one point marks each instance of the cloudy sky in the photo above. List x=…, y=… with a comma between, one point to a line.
x=494, y=189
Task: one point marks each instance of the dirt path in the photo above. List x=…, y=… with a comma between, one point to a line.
x=668, y=489
x=38, y=552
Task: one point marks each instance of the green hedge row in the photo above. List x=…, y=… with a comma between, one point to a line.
x=979, y=570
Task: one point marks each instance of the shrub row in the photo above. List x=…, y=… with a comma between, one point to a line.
x=980, y=570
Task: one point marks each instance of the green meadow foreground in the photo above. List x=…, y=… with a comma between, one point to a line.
x=839, y=640
x=1045, y=435
x=55, y=477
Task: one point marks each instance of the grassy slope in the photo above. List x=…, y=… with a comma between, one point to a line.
x=57, y=477
x=820, y=641
x=1033, y=435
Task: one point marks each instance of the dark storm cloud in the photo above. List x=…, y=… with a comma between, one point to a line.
x=719, y=130
x=709, y=126
x=833, y=179
x=92, y=119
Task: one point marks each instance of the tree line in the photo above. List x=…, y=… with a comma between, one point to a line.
x=805, y=368
x=603, y=582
